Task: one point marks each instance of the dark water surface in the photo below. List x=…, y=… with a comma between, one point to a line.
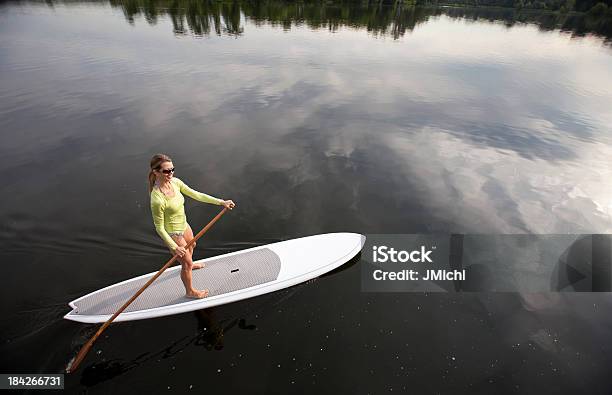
x=313, y=119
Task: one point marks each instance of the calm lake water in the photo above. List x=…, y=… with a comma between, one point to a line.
x=312, y=119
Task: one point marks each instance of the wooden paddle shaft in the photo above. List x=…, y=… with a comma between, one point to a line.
x=85, y=349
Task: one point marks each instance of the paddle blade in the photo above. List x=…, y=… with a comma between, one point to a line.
x=74, y=363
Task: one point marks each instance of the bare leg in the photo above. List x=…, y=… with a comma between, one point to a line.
x=188, y=235
x=186, y=268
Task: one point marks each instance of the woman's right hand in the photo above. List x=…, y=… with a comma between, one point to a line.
x=180, y=251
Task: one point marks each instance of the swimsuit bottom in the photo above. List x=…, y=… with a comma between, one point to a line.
x=178, y=233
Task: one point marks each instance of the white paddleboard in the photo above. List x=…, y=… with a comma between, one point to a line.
x=229, y=278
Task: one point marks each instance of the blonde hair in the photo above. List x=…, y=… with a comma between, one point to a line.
x=156, y=162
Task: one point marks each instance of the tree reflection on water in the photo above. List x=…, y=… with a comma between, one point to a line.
x=385, y=18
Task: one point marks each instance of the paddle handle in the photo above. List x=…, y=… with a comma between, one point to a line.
x=85, y=349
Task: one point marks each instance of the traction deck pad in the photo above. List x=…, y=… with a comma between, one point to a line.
x=219, y=276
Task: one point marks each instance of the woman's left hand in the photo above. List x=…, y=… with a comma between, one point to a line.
x=229, y=204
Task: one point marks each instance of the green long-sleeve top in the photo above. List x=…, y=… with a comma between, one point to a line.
x=169, y=212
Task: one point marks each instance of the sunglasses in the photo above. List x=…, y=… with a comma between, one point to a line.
x=168, y=171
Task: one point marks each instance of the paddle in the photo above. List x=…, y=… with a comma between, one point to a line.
x=73, y=365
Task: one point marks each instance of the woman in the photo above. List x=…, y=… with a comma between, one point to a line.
x=169, y=216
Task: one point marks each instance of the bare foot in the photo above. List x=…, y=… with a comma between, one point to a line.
x=197, y=266
x=197, y=294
